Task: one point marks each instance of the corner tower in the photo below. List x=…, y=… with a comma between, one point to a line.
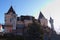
x=41, y=16
x=42, y=20
x=11, y=17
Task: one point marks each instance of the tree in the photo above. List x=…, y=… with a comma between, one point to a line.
x=35, y=32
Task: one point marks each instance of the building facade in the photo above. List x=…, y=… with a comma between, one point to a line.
x=11, y=18
x=16, y=24
x=43, y=21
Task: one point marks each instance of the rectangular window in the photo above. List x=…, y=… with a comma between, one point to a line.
x=10, y=19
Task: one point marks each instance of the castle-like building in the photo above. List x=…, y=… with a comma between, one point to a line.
x=16, y=24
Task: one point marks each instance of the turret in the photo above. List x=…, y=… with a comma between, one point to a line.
x=43, y=21
x=51, y=22
x=11, y=17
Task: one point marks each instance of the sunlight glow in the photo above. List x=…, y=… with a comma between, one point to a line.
x=53, y=10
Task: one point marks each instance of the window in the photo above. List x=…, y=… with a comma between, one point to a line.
x=11, y=19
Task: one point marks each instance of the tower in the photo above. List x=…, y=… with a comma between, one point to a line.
x=40, y=16
x=11, y=17
x=43, y=21
x=51, y=22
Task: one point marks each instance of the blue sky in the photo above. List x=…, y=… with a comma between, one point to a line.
x=33, y=7
x=22, y=7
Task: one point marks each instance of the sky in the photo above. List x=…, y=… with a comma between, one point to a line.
x=53, y=10
x=33, y=8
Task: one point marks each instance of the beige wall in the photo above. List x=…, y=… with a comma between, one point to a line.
x=10, y=19
x=8, y=29
x=1, y=28
x=7, y=19
x=27, y=22
x=44, y=22
x=20, y=22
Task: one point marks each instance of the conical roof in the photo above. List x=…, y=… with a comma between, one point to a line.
x=11, y=10
x=41, y=15
x=51, y=20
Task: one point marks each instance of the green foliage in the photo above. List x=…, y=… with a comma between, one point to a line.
x=35, y=32
x=11, y=37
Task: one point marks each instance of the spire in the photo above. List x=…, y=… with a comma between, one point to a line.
x=41, y=15
x=51, y=20
x=51, y=23
x=11, y=10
